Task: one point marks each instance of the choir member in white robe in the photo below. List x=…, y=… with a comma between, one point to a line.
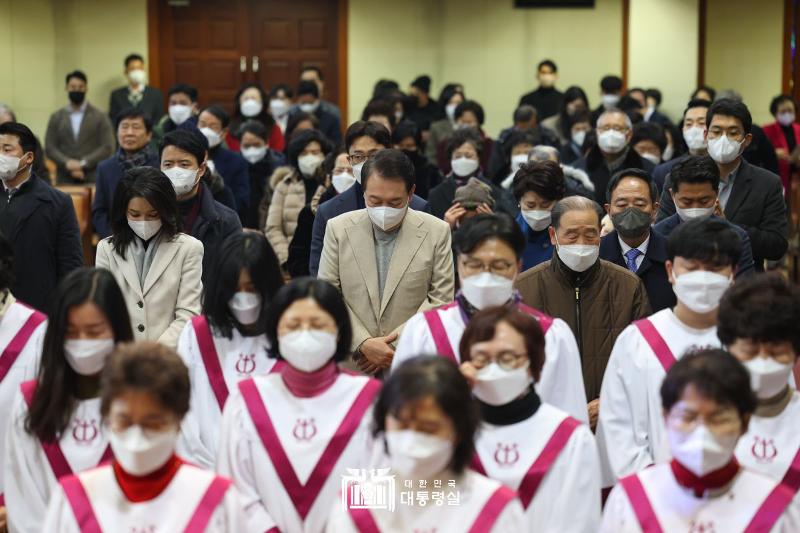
x=703, y=255
x=538, y=450
x=55, y=424
x=426, y=422
x=288, y=437
x=145, y=394
x=227, y=343
x=489, y=257
x=707, y=402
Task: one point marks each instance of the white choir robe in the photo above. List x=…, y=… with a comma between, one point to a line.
x=29, y=478
x=573, y=477
x=240, y=358
x=677, y=509
x=630, y=428
x=474, y=491
x=168, y=512
x=561, y=382
x=244, y=459
x=24, y=368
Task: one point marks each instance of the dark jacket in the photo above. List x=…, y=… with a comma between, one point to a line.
x=40, y=223
x=349, y=200
x=546, y=100
x=756, y=205
x=595, y=165
x=151, y=104
x=233, y=169
x=109, y=172
x=761, y=153
x=300, y=246
x=260, y=173
x=426, y=173
x=661, y=172
x=652, y=270
x=597, y=304
x=441, y=197
x=329, y=124
x=500, y=157
x=745, y=267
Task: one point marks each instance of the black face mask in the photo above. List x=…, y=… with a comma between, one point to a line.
x=77, y=97
x=631, y=223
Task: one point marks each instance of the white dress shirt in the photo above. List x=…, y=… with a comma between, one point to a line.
x=76, y=117
x=642, y=248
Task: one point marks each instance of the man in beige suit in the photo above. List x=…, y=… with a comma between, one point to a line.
x=79, y=135
x=390, y=262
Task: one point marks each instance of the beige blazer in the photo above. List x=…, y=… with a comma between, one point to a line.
x=420, y=273
x=171, y=292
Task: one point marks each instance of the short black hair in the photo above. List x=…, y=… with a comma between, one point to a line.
x=303, y=138
x=219, y=112
x=295, y=119
x=392, y=164
x=611, y=84
x=730, y=108
x=762, y=308
x=521, y=137
x=696, y=102
x=465, y=135
x=133, y=57
x=547, y=63
x=183, y=88
x=405, y=129
x=708, y=240
x=7, y=277
x=427, y=376
x=477, y=229
x=778, y=100
x=379, y=107
x=307, y=87
x=383, y=88
x=716, y=374
x=254, y=127
x=373, y=130
x=188, y=140
x=524, y=113
x=27, y=140
x=472, y=106
x=649, y=131
x=76, y=74
x=694, y=169
x=326, y=296
x=632, y=173
x=133, y=112
x=240, y=250
x=313, y=68
x=278, y=87
x=545, y=178
x=705, y=88
x=655, y=94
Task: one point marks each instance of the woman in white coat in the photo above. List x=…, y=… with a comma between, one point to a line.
x=157, y=267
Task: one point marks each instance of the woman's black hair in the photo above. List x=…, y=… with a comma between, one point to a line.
x=263, y=117
x=326, y=296
x=301, y=140
x=477, y=229
x=244, y=250
x=288, y=92
x=219, y=112
x=405, y=129
x=649, y=131
x=432, y=376
x=448, y=91
x=152, y=185
x=778, y=100
x=330, y=160
x=705, y=88
x=254, y=127
x=7, y=277
x=381, y=108
x=570, y=95
x=465, y=135
x=54, y=399
x=472, y=106
x=294, y=120
x=545, y=178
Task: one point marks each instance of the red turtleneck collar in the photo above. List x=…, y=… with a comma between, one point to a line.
x=700, y=484
x=308, y=384
x=145, y=488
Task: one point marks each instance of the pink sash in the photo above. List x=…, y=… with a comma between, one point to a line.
x=12, y=351
x=641, y=504
x=87, y=521
x=792, y=477
x=52, y=450
x=656, y=342
x=535, y=474
x=771, y=510
x=303, y=496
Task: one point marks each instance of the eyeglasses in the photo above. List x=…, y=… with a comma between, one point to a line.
x=505, y=360
x=721, y=422
x=356, y=159
x=619, y=129
x=500, y=267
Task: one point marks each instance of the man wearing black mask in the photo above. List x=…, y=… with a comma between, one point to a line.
x=632, y=205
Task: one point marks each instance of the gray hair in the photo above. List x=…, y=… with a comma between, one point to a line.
x=6, y=109
x=729, y=94
x=543, y=152
x=574, y=203
x=628, y=122
x=524, y=113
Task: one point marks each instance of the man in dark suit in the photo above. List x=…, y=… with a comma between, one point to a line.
x=134, y=131
x=362, y=140
x=632, y=204
x=308, y=102
x=136, y=94
x=37, y=219
x=749, y=196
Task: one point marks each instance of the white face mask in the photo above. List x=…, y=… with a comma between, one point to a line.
x=537, y=219
x=695, y=138
x=497, y=386
x=251, y=107
x=308, y=164
x=307, y=350
x=212, y=136
x=768, y=377
x=357, y=171
x=145, y=229
x=611, y=141
x=254, y=154
x=652, y=158
x=487, y=289
x=179, y=113
x=386, y=217
x=140, y=453
x=578, y=257
x=245, y=307
x=309, y=108
x=694, y=212
x=398, y=117
x=278, y=107
x=578, y=138
x=87, y=357
x=137, y=76
x=9, y=167
x=723, y=150
x=463, y=166
x=517, y=161
x=342, y=182
x=785, y=118
x=700, y=290
x=416, y=455
x=183, y=179
x=700, y=451
x=450, y=111
x=610, y=101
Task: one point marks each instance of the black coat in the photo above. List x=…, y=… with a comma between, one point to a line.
x=594, y=165
x=214, y=223
x=151, y=104
x=40, y=223
x=547, y=101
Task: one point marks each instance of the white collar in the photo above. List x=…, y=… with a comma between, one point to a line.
x=642, y=247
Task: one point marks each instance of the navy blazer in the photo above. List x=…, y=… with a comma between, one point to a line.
x=652, y=271
x=235, y=173
x=350, y=200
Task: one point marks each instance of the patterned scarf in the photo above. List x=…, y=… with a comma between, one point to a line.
x=138, y=159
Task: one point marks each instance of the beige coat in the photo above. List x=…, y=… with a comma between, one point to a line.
x=172, y=288
x=420, y=274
